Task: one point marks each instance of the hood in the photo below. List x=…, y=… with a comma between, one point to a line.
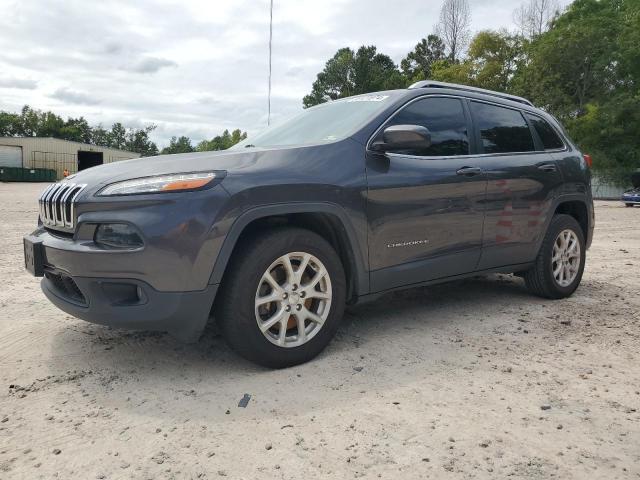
x=243, y=167
x=229, y=161
x=275, y=162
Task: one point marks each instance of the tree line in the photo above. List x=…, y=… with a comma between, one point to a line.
x=581, y=65
x=35, y=123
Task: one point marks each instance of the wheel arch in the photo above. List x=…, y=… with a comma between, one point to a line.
x=328, y=220
x=576, y=208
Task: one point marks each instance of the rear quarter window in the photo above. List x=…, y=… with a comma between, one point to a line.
x=548, y=135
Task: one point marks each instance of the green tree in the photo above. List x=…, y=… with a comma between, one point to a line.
x=222, y=142
x=77, y=130
x=453, y=72
x=99, y=136
x=417, y=64
x=117, y=137
x=139, y=141
x=495, y=57
x=586, y=70
x=133, y=140
x=9, y=124
x=48, y=124
x=577, y=60
x=351, y=73
x=492, y=61
x=29, y=122
x=178, y=145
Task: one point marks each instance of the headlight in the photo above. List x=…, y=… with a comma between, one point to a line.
x=162, y=183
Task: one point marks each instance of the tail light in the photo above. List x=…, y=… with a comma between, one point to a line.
x=588, y=160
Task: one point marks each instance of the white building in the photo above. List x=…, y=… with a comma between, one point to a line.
x=55, y=154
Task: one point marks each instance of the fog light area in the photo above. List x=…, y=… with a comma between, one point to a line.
x=117, y=235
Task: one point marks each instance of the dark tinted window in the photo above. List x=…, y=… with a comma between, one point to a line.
x=549, y=137
x=502, y=130
x=444, y=117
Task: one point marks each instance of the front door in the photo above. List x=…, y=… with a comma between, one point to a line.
x=426, y=208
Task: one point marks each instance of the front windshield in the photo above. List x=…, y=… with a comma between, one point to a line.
x=324, y=123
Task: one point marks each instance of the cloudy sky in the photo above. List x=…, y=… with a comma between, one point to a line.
x=195, y=67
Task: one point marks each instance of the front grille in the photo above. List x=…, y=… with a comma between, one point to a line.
x=65, y=286
x=57, y=205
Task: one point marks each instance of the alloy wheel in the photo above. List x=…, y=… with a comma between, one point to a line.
x=565, y=260
x=293, y=299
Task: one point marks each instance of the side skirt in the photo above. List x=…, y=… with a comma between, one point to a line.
x=520, y=267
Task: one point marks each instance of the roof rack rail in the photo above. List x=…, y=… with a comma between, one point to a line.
x=455, y=86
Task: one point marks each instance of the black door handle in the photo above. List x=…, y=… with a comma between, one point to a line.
x=469, y=171
x=547, y=167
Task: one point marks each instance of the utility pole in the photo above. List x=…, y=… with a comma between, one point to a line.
x=270, y=40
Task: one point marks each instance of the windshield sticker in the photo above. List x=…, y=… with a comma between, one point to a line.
x=368, y=98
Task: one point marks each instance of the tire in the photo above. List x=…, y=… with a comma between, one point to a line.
x=245, y=285
x=540, y=279
x=628, y=204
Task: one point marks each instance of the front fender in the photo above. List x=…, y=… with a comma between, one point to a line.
x=358, y=247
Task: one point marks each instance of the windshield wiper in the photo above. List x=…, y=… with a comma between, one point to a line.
x=250, y=146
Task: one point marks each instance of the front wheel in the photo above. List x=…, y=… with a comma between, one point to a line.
x=283, y=297
x=560, y=262
x=628, y=205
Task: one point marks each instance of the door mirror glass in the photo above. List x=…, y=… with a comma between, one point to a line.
x=403, y=137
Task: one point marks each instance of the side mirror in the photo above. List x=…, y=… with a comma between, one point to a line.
x=403, y=137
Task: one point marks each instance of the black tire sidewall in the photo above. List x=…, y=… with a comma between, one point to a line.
x=239, y=324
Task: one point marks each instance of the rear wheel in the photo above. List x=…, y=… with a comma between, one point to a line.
x=560, y=263
x=628, y=204
x=283, y=298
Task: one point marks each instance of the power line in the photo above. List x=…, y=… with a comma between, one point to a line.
x=270, y=40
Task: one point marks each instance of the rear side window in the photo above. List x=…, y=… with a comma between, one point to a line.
x=502, y=130
x=549, y=137
x=445, y=119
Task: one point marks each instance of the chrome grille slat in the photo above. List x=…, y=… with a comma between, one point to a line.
x=47, y=202
x=73, y=203
x=66, y=220
x=56, y=201
x=41, y=201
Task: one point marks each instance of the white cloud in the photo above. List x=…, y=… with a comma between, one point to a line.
x=66, y=95
x=150, y=65
x=20, y=83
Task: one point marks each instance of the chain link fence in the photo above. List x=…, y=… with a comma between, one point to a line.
x=55, y=161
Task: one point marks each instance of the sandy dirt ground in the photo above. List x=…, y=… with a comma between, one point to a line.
x=475, y=379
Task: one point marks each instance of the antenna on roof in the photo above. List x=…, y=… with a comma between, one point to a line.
x=270, y=39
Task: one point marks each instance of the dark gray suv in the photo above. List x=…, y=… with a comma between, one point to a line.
x=345, y=201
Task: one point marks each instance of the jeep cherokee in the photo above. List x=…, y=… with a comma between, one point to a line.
x=343, y=202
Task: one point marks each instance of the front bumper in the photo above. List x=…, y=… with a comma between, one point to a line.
x=131, y=304
x=112, y=288
x=163, y=285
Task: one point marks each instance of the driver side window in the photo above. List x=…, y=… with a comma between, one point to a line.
x=445, y=119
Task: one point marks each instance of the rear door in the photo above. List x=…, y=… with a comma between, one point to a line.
x=523, y=181
x=425, y=208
